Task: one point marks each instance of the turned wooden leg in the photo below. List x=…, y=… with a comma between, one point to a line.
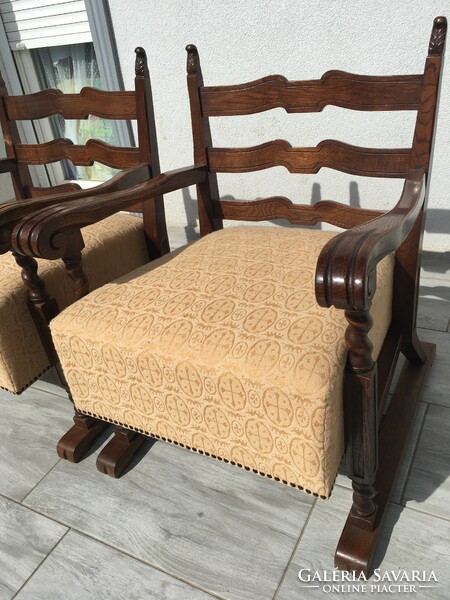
x=119, y=451
x=78, y=440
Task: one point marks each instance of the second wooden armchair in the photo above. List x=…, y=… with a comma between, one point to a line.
x=272, y=349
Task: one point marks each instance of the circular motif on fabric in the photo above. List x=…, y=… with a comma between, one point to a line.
x=202, y=442
x=259, y=253
x=113, y=361
x=220, y=285
x=318, y=423
x=237, y=428
x=184, y=280
x=232, y=392
x=150, y=370
x=199, y=305
x=210, y=386
x=196, y=339
x=196, y=415
x=223, y=265
x=137, y=328
x=259, y=292
x=166, y=431
x=263, y=356
x=254, y=398
x=239, y=314
x=281, y=445
x=179, y=303
x=302, y=417
x=299, y=277
x=81, y=353
x=143, y=299
x=140, y=397
x=108, y=294
x=278, y=407
x=218, y=344
x=178, y=410
x=160, y=406
x=259, y=436
x=239, y=350
x=301, y=300
x=284, y=473
x=108, y=389
x=241, y=456
x=260, y=320
x=287, y=362
x=189, y=379
x=78, y=384
x=305, y=330
x=217, y=422
x=329, y=336
x=313, y=372
x=176, y=334
x=169, y=374
x=294, y=258
x=258, y=270
x=305, y=457
x=102, y=320
x=218, y=310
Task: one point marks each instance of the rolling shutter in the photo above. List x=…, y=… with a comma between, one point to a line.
x=37, y=23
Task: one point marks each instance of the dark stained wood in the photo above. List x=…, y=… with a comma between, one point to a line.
x=76, y=442
x=94, y=150
x=346, y=274
x=119, y=451
x=7, y=165
x=279, y=207
x=333, y=154
x=207, y=191
x=346, y=268
x=358, y=92
x=155, y=229
x=38, y=192
x=357, y=544
x=89, y=101
x=55, y=231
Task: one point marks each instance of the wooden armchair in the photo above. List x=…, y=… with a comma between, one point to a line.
x=114, y=247
x=269, y=348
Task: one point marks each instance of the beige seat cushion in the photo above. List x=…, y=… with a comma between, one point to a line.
x=223, y=350
x=114, y=247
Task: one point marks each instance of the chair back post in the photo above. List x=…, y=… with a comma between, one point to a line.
x=208, y=191
x=155, y=228
x=21, y=177
x=408, y=256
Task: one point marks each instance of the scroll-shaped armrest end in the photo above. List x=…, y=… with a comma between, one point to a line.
x=346, y=267
x=55, y=232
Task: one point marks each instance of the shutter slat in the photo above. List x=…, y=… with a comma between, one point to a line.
x=35, y=13
x=36, y=24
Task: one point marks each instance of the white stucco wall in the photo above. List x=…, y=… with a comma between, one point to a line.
x=240, y=40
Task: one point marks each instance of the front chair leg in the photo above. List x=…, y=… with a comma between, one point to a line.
x=119, y=451
x=78, y=440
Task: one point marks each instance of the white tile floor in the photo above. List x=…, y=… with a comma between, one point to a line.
x=179, y=526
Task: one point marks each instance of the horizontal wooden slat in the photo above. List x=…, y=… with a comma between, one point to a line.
x=30, y=35
x=333, y=154
x=358, y=92
x=90, y=101
x=35, y=192
x=63, y=7
x=94, y=151
x=30, y=25
x=280, y=207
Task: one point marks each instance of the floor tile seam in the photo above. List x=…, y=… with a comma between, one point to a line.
x=122, y=551
x=414, y=453
x=294, y=551
x=41, y=563
x=427, y=513
x=40, y=480
x=35, y=386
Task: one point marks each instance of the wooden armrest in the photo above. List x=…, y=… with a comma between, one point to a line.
x=7, y=165
x=13, y=212
x=346, y=267
x=54, y=232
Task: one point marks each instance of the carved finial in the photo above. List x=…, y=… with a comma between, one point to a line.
x=193, y=61
x=141, y=62
x=437, y=39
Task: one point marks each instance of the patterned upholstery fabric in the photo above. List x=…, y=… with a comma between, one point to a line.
x=222, y=349
x=114, y=247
